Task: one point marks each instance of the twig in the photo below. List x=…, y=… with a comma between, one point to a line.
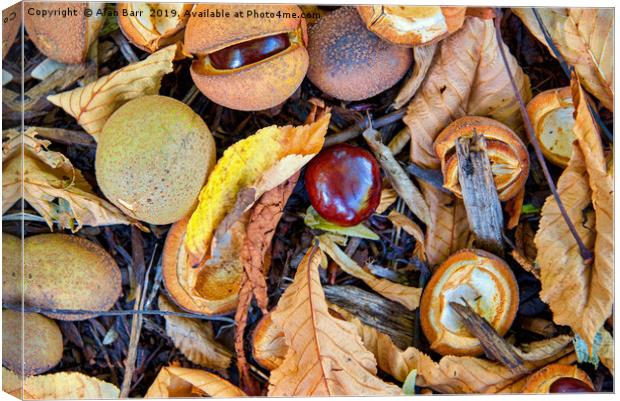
x=356, y=129
x=124, y=47
x=493, y=344
x=432, y=176
x=583, y=250
x=137, y=251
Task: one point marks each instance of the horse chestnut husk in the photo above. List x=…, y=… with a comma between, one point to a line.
x=570, y=385
x=344, y=184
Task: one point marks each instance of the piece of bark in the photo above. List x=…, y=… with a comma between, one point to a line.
x=384, y=315
x=494, y=345
x=484, y=211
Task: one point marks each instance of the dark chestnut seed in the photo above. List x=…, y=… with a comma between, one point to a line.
x=344, y=184
x=250, y=52
x=570, y=385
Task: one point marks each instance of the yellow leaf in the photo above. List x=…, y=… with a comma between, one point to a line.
x=467, y=77
x=388, y=197
x=325, y=355
x=195, y=338
x=449, y=229
x=407, y=296
x=585, y=38
x=52, y=186
x=63, y=385
x=261, y=161
x=92, y=104
x=564, y=275
x=184, y=382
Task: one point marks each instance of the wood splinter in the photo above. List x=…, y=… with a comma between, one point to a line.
x=484, y=211
x=494, y=345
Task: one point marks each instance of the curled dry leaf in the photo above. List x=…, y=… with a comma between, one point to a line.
x=423, y=57
x=401, y=182
x=63, y=385
x=195, y=338
x=92, y=104
x=174, y=381
x=407, y=296
x=261, y=161
x=449, y=230
x=411, y=228
x=52, y=186
x=564, y=274
x=585, y=39
x=467, y=78
x=325, y=355
x=388, y=197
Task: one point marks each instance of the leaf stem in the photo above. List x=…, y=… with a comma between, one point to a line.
x=583, y=250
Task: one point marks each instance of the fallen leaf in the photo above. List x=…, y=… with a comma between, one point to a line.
x=407, y=296
x=264, y=218
x=326, y=355
x=467, y=78
x=564, y=275
x=194, y=338
x=52, y=186
x=261, y=161
x=403, y=222
x=63, y=385
x=400, y=180
x=388, y=197
x=585, y=39
x=458, y=375
x=314, y=220
x=423, y=58
x=606, y=350
x=174, y=381
x=92, y=104
x=449, y=229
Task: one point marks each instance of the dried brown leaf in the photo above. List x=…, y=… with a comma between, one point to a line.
x=52, y=186
x=264, y=218
x=194, y=338
x=92, y=104
x=63, y=385
x=585, y=38
x=606, y=350
x=449, y=230
x=388, y=197
x=400, y=180
x=564, y=274
x=174, y=381
x=326, y=355
x=407, y=296
x=467, y=78
x=411, y=228
x=423, y=58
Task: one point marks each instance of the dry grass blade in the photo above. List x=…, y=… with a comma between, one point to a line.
x=407, y=296
x=411, y=228
x=326, y=356
x=466, y=78
x=92, y=104
x=195, y=339
x=398, y=177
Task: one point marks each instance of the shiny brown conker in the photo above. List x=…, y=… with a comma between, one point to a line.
x=344, y=184
x=570, y=385
x=250, y=52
